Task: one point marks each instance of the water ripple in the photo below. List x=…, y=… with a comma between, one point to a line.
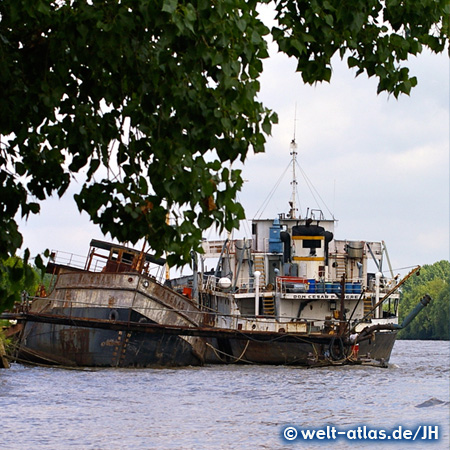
x=220, y=407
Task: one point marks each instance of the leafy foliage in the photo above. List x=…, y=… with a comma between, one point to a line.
x=15, y=277
x=151, y=101
x=433, y=321
x=374, y=36
x=150, y=98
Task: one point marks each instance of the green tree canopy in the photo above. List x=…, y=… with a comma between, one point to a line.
x=14, y=279
x=150, y=101
x=434, y=321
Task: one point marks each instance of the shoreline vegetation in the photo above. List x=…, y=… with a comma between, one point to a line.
x=433, y=323
x=4, y=361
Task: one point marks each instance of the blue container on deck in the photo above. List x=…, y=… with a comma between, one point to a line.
x=320, y=287
x=312, y=286
x=357, y=288
x=275, y=243
x=349, y=288
x=328, y=288
x=336, y=288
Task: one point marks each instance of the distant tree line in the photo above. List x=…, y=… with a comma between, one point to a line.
x=434, y=321
x=15, y=278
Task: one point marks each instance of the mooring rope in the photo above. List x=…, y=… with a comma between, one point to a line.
x=217, y=351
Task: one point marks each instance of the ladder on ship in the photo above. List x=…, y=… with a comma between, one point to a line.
x=269, y=306
x=340, y=267
x=368, y=307
x=267, y=302
x=260, y=266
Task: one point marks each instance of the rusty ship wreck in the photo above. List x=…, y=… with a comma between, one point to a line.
x=290, y=294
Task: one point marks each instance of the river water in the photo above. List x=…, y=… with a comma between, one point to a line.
x=225, y=407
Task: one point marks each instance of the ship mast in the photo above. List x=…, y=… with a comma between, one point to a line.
x=292, y=203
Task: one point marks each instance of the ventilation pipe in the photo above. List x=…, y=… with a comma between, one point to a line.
x=257, y=276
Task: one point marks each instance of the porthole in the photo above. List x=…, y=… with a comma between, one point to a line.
x=114, y=315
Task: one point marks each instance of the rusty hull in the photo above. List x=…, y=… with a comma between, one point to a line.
x=112, y=298
x=128, y=342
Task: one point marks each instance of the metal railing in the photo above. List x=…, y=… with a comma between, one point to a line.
x=232, y=321
x=67, y=259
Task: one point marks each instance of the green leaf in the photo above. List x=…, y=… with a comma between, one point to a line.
x=352, y=62
x=267, y=126
x=169, y=6
x=43, y=7
x=298, y=45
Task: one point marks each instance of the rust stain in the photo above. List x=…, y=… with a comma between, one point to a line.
x=109, y=343
x=75, y=342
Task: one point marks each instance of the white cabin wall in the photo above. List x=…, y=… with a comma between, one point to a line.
x=318, y=309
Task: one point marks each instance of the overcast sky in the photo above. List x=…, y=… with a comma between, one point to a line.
x=381, y=165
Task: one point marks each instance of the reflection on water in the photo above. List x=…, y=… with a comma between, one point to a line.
x=223, y=407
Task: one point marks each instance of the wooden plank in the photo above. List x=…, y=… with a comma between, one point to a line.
x=4, y=363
